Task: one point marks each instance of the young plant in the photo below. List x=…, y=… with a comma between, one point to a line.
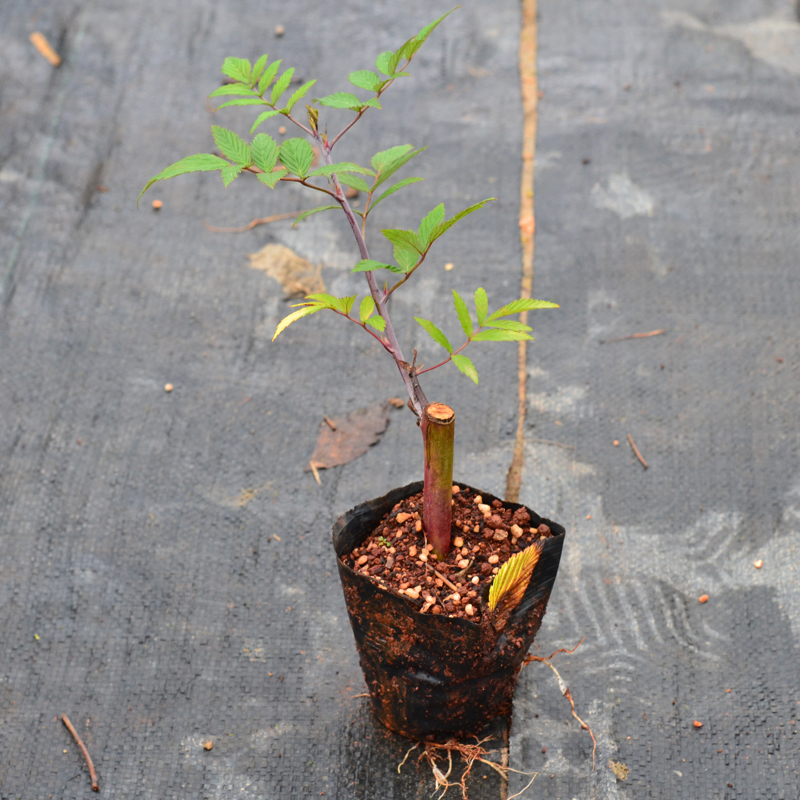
x=259, y=85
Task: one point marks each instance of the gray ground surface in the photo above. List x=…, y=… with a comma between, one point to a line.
x=142, y=586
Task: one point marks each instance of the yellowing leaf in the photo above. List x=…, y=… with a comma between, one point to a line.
x=509, y=585
x=293, y=317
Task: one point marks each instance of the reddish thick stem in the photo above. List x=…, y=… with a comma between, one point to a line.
x=438, y=427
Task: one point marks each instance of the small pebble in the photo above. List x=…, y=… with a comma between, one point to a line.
x=157, y=204
x=493, y=559
x=697, y=724
x=413, y=594
x=469, y=610
x=456, y=489
x=282, y=130
x=703, y=598
x=476, y=580
x=423, y=556
x=403, y=517
x=463, y=564
x=616, y=442
x=448, y=266
x=516, y=531
x=168, y=387
x=458, y=542
x=495, y=570
x=362, y=560
x=758, y=564
x=484, y=509
x=279, y=30
x=418, y=526
x=208, y=745
x=412, y=551
x=478, y=500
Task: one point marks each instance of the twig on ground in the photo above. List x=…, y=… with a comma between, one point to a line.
x=92, y=773
x=448, y=583
x=565, y=691
x=636, y=450
x=331, y=423
x=251, y=225
x=313, y=466
x=634, y=336
x=470, y=753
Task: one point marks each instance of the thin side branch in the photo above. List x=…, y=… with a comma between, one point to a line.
x=92, y=773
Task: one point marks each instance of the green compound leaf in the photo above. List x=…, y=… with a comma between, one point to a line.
x=481, y=305
x=261, y=117
x=523, y=304
x=294, y=316
x=367, y=308
x=301, y=92
x=466, y=366
x=232, y=88
x=355, y=181
x=296, y=155
x=244, y=101
x=387, y=170
x=463, y=313
x=379, y=323
x=435, y=333
x=271, y=178
x=510, y=583
x=340, y=304
x=408, y=240
x=264, y=150
x=495, y=335
x=429, y=223
x=268, y=76
x=231, y=145
x=202, y=162
x=311, y=211
x=367, y=265
x=445, y=226
x=344, y=166
x=230, y=172
x=237, y=68
x=392, y=189
x=406, y=259
x=508, y=325
x=340, y=100
x=258, y=68
x=281, y=86
x=365, y=79
x=386, y=157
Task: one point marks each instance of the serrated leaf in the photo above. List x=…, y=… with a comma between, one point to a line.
x=301, y=92
x=523, y=304
x=373, y=103
x=261, y=117
x=340, y=100
x=244, y=101
x=271, y=178
x=367, y=265
x=466, y=366
x=281, y=86
x=392, y=189
x=429, y=223
x=379, y=323
x=232, y=88
x=386, y=157
x=230, y=172
x=346, y=303
x=311, y=211
x=231, y=145
x=382, y=62
x=365, y=79
x=405, y=239
x=445, y=226
x=463, y=313
x=355, y=181
x=508, y=325
x=268, y=76
x=367, y=308
x=495, y=335
x=237, y=68
x=343, y=166
x=293, y=317
x=406, y=259
x=202, y=162
x=340, y=304
x=481, y=305
x=258, y=68
x=327, y=300
x=435, y=333
x=414, y=44
x=264, y=150
x=296, y=155
x=389, y=169
x=509, y=585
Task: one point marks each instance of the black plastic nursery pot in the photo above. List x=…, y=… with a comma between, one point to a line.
x=432, y=677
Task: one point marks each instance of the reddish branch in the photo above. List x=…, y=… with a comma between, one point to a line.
x=92, y=773
x=636, y=450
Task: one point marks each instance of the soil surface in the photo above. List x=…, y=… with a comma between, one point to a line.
x=398, y=557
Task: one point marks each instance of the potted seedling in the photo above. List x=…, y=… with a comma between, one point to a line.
x=445, y=585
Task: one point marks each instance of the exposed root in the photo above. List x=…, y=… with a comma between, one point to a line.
x=565, y=691
x=470, y=754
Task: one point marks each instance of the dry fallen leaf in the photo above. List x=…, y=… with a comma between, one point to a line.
x=297, y=276
x=354, y=434
x=619, y=769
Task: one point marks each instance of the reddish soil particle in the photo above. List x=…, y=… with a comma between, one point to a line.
x=397, y=557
